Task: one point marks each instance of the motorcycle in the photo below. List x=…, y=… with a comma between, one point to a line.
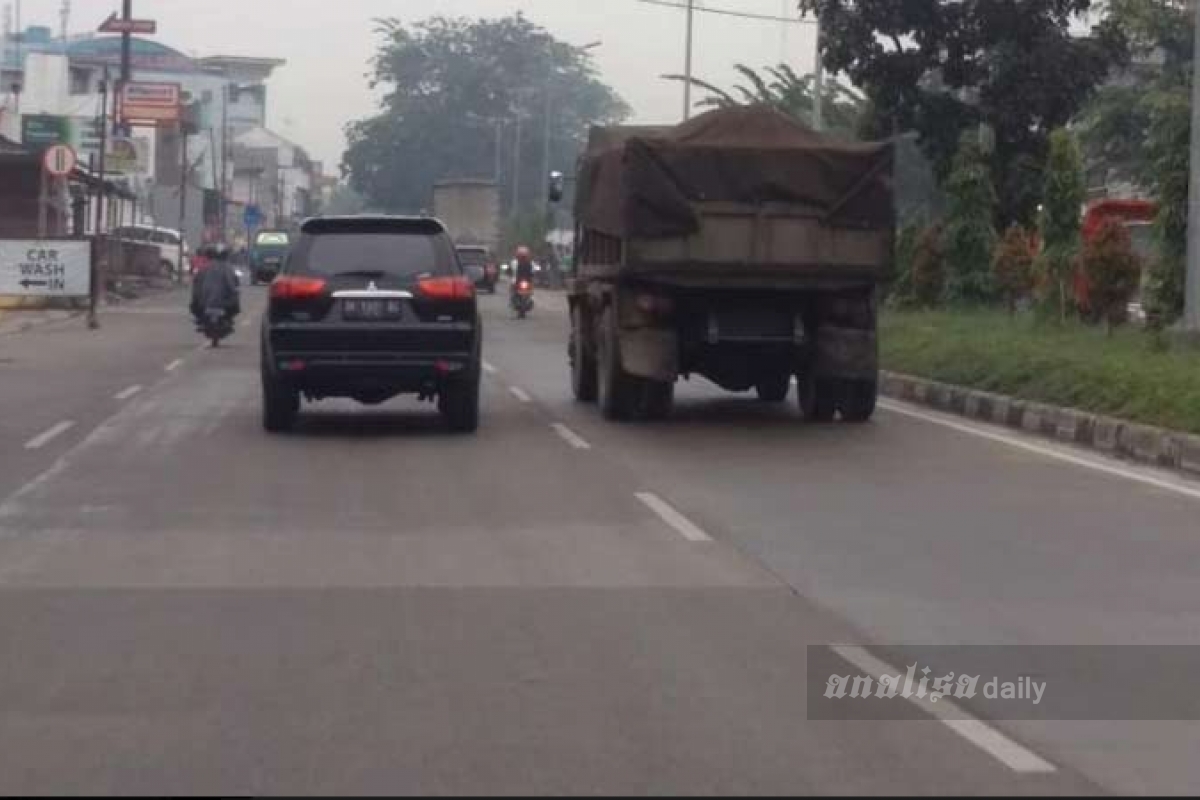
x=522, y=298
x=216, y=325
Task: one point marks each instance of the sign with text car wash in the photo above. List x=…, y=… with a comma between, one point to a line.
x=45, y=267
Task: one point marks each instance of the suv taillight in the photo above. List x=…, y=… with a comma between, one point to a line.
x=294, y=287
x=450, y=288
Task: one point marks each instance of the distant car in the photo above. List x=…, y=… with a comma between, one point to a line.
x=166, y=240
x=476, y=256
x=267, y=254
x=368, y=308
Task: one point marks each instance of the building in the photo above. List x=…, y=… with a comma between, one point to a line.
x=225, y=96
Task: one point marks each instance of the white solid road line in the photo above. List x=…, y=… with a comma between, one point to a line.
x=682, y=525
x=488, y=368
x=43, y=439
x=1061, y=454
x=127, y=393
x=174, y=365
x=520, y=394
x=1008, y=752
x=570, y=437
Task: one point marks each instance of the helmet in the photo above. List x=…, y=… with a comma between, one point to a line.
x=220, y=251
x=524, y=254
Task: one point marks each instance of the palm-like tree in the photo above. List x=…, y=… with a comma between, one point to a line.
x=792, y=94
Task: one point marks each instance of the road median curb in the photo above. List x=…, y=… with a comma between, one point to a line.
x=1143, y=444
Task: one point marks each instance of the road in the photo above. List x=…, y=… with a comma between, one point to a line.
x=371, y=605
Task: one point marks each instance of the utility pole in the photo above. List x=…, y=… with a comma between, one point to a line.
x=224, y=184
x=19, y=37
x=516, y=188
x=819, y=84
x=119, y=126
x=103, y=149
x=183, y=189
x=1191, y=300
x=499, y=148
x=687, y=61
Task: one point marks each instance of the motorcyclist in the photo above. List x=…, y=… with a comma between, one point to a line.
x=216, y=286
x=523, y=270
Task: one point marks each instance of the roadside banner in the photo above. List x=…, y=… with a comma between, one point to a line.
x=45, y=267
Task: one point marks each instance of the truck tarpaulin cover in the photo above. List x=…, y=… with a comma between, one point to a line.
x=640, y=182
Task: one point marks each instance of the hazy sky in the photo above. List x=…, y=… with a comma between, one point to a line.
x=327, y=45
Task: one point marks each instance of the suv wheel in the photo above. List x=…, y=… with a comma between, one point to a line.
x=280, y=405
x=459, y=404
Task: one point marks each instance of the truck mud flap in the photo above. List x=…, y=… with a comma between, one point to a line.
x=650, y=353
x=846, y=353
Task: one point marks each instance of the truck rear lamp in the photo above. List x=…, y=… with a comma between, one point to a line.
x=451, y=288
x=295, y=287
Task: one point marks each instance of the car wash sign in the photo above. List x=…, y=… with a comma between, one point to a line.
x=45, y=267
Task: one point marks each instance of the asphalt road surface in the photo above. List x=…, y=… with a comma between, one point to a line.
x=558, y=604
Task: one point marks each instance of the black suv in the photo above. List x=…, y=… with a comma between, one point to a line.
x=368, y=308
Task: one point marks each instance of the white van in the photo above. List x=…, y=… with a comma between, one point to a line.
x=165, y=239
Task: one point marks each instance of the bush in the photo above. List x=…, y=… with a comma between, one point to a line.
x=928, y=273
x=1012, y=267
x=970, y=234
x=1113, y=272
x=1064, y=195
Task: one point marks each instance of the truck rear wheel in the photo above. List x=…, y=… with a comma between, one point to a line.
x=774, y=389
x=857, y=401
x=818, y=398
x=583, y=368
x=616, y=389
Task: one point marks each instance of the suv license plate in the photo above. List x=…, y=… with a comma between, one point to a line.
x=371, y=310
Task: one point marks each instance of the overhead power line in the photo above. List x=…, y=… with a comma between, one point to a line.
x=729, y=12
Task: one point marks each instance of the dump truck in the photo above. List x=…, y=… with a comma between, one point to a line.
x=740, y=246
x=470, y=210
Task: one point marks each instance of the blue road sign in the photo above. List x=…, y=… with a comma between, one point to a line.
x=253, y=217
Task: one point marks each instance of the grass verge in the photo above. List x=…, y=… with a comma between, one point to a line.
x=1073, y=365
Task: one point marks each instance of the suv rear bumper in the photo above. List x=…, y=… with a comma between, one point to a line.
x=401, y=371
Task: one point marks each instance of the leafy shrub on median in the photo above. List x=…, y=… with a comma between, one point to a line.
x=1113, y=271
x=1012, y=267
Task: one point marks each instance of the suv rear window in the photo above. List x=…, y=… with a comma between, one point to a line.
x=373, y=249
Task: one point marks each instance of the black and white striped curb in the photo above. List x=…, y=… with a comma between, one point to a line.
x=1132, y=441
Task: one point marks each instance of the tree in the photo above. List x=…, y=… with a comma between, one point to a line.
x=447, y=83
x=788, y=92
x=1012, y=267
x=1064, y=196
x=969, y=236
x=941, y=67
x=1116, y=127
x=1113, y=272
x=928, y=268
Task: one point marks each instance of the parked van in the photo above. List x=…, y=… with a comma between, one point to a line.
x=165, y=239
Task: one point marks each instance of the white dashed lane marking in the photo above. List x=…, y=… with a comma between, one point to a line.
x=44, y=438
x=570, y=437
x=682, y=525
